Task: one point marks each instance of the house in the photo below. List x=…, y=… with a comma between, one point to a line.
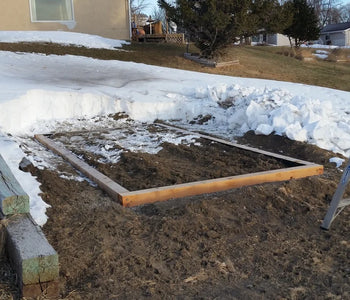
x=336, y=34
x=275, y=39
x=107, y=18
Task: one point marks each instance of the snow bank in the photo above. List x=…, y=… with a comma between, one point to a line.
x=37, y=91
x=61, y=37
x=324, y=122
x=37, y=111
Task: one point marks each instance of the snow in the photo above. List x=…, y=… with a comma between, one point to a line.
x=337, y=160
x=321, y=54
x=60, y=37
x=41, y=94
x=321, y=46
x=106, y=144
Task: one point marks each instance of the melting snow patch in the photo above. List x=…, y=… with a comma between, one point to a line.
x=338, y=161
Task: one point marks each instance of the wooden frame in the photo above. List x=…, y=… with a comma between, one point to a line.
x=133, y=198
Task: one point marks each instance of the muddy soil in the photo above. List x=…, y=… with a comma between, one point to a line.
x=258, y=242
x=175, y=164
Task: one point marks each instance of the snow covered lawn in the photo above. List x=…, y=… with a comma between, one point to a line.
x=41, y=94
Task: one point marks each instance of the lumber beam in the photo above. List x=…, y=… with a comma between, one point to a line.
x=33, y=258
x=13, y=199
x=210, y=63
x=239, y=146
x=105, y=183
x=215, y=185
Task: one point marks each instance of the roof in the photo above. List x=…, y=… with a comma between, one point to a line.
x=336, y=27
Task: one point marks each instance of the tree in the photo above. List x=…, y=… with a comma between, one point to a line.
x=213, y=24
x=137, y=6
x=340, y=14
x=304, y=26
x=271, y=15
x=324, y=10
x=159, y=14
x=345, y=13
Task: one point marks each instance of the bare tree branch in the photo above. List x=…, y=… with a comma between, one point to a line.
x=137, y=6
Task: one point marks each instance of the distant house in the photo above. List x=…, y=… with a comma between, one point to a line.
x=336, y=34
x=276, y=39
x=108, y=18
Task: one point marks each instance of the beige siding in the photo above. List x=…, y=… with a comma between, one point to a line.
x=108, y=18
x=282, y=40
x=347, y=37
x=277, y=39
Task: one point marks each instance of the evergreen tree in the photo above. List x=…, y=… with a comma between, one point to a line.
x=304, y=26
x=271, y=15
x=213, y=24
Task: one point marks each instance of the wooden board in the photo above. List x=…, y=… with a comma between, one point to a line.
x=104, y=182
x=215, y=185
x=134, y=198
x=210, y=63
x=13, y=199
x=32, y=257
x=42, y=290
x=243, y=147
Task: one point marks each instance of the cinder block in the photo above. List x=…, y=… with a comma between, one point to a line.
x=13, y=199
x=33, y=258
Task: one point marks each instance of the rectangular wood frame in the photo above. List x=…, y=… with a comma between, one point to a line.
x=134, y=198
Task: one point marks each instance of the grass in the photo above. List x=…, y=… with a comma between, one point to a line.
x=276, y=63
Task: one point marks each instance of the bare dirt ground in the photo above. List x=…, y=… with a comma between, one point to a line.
x=199, y=159
x=258, y=242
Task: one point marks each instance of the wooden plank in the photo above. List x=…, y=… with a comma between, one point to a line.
x=104, y=182
x=227, y=63
x=199, y=60
x=210, y=186
x=210, y=63
x=42, y=290
x=31, y=255
x=243, y=147
x=13, y=199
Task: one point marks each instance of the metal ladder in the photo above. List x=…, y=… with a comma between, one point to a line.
x=338, y=203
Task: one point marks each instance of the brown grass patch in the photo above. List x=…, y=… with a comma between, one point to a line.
x=257, y=62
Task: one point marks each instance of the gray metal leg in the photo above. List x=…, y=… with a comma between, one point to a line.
x=337, y=203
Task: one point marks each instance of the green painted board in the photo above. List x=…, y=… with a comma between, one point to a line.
x=13, y=199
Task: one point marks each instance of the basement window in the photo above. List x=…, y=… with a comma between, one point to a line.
x=51, y=10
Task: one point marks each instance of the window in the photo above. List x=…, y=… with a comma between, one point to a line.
x=51, y=10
